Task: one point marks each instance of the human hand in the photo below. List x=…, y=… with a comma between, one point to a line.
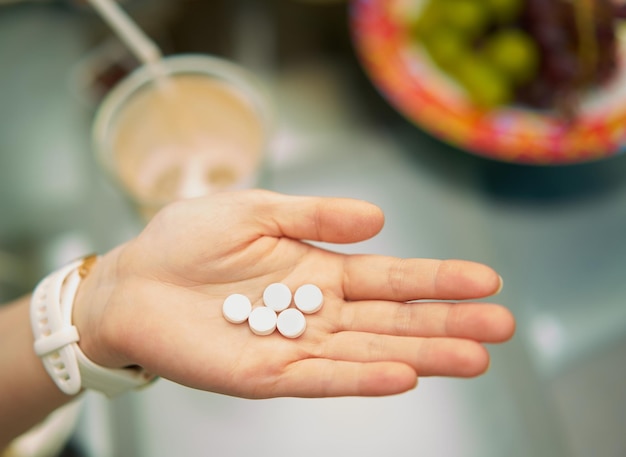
x=157, y=302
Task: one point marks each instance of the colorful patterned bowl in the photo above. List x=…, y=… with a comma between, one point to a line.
x=405, y=75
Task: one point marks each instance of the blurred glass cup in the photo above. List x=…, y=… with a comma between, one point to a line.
x=193, y=125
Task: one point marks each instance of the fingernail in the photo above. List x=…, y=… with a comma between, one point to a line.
x=501, y=285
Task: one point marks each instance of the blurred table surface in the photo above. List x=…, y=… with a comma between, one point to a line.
x=555, y=235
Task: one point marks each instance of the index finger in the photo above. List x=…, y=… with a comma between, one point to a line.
x=390, y=278
x=334, y=220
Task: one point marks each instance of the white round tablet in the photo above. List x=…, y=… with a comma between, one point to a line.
x=277, y=296
x=236, y=308
x=308, y=298
x=291, y=323
x=262, y=320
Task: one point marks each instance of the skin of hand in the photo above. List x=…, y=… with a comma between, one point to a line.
x=156, y=302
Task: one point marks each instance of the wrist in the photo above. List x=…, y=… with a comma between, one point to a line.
x=57, y=336
x=89, y=315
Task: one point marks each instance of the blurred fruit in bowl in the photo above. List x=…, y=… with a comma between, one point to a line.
x=542, y=53
x=533, y=81
x=513, y=53
x=480, y=44
x=505, y=11
x=485, y=83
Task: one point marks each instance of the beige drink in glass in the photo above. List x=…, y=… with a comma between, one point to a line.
x=192, y=126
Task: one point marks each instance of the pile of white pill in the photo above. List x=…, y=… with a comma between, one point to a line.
x=275, y=312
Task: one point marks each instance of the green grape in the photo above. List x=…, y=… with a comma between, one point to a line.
x=428, y=21
x=505, y=11
x=514, y=53
x=446, y=47
x=470, y=17
x=486, y=85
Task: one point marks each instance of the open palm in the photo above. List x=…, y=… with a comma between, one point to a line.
x=163, y=311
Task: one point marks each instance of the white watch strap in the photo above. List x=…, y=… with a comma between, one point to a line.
x=52, y=337
x=56, y=340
